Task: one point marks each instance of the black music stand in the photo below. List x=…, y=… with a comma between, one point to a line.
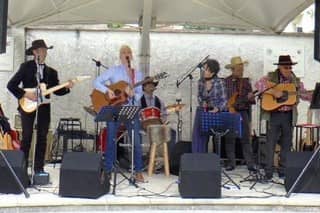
x=120, y=114
x=220, y=124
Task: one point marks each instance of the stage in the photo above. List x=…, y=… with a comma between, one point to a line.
x=160, y=193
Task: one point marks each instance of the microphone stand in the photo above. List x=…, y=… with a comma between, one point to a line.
x=39, y=101
x=186, y=75
x=97, y=73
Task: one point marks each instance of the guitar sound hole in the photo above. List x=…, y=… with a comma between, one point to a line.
x=117, y=92
x=284, y=97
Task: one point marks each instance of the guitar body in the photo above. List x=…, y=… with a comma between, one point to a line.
x=269, y=102
x=100, y=99
x=232, y=100
x=28, y=105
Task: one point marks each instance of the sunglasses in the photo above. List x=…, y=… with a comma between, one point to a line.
x=287, y=67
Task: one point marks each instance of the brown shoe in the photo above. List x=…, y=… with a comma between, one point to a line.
x=139, y=177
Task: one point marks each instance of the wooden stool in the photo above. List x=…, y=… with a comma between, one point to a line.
x=158, y=135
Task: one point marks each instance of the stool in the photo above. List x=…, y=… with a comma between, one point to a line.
x=158, y=135
x=314, y=130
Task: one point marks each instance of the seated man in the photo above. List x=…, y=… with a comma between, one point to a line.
x=148, y=99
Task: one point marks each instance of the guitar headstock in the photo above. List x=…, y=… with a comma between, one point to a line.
x=82, y=78
x=161, y=75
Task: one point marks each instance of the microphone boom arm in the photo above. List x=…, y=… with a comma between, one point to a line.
x=190, y=71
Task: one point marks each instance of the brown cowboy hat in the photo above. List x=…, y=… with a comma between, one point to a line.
x=285, y=60
x=149, y=80
x=37, y=44
x=235, y=61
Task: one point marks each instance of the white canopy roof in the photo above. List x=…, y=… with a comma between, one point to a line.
x=263, y=15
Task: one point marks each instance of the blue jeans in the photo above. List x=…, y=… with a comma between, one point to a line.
x=110, y=153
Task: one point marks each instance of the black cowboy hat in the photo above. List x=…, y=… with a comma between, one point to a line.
x=37, y=44
x=149, y=80
x=285, y=60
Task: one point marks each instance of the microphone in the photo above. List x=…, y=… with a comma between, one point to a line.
x=128, y=60
x=98, y=63
x=201, y=64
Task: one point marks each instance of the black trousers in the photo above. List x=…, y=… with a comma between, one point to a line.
x=280, y=129
x=245, y=142
x=42, y=126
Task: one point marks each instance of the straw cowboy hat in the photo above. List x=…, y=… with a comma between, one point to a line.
x=37, y=44
x=235, y=61
x=149, y=81
x=285, y=60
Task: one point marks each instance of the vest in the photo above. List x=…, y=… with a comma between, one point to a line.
x=144, y=102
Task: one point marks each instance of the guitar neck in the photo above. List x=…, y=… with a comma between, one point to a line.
x=53, y=89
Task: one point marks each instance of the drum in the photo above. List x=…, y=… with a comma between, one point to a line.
x=150, y=116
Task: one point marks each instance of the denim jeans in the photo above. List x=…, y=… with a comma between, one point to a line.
x=110, y=153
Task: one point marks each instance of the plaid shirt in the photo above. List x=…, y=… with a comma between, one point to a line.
x=215, y=97
x=233, y=86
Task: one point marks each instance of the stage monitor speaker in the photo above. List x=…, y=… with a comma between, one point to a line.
x=317, y=30
x=200, y=176
x=81, y=175
x=309, y=183
x=178, y=150
x=3, y=25
x=8, y=183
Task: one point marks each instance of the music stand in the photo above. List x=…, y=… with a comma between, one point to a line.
x=120, y=114
x=315, y=104
x=220, y=124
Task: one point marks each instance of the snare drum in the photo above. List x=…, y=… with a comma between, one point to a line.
x=150, y=116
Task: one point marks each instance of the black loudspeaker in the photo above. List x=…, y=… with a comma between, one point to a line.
x=3, y=25
x=82, y=175
x=8, y=183
x=178, y=150
x=309, y=183
x=200, y=176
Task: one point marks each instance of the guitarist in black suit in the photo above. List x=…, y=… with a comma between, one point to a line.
x=282, y=119
x=30, y=74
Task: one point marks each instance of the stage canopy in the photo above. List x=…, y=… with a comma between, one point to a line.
x=270, y=16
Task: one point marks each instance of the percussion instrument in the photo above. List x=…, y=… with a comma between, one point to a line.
x=174, y=107
x=158, y=133
x=150, y=116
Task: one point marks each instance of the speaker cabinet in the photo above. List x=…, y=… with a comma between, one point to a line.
x=82, y=175
x=200, y=176
x=8, y=183
x=178, y=150
x=309, y=183
x=3, y=25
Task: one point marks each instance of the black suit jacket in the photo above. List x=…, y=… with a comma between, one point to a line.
x=27, y=75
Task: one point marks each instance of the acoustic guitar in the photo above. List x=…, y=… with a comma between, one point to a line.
x=100, y=99
x=29, y=106
x=289, y=98
x=231, y=102
x=5, y=142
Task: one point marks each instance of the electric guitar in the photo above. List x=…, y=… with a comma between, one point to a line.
x=100, y=99
x=29, y=106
